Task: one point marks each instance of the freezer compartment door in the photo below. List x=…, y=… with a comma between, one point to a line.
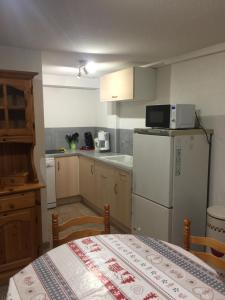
x=151, y=219
x=153, y=167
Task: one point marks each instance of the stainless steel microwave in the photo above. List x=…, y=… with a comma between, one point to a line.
x=172, y=116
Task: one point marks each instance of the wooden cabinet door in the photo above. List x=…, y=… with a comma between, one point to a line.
x=67, y=176
x=117, y=86
x=16, y=107
x=105, y=193
x=87, y=178
x=17, y=236
x=106, y=88
x=123, y=197
x=3, y=117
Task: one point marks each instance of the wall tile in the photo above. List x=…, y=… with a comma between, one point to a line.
x=55, y=137
x=112, y=137
x=121, y=140
x=125, y=141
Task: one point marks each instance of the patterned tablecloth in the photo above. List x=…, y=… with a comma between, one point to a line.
x=116, y=267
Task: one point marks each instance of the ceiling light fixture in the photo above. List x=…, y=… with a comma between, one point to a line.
x=86, y=68
x=79, y=73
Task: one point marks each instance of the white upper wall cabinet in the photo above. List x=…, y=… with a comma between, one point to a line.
x=135, y=83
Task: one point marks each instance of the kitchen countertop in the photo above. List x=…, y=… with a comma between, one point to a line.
x=94, y=155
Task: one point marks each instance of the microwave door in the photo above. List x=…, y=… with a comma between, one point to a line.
x=158, y=116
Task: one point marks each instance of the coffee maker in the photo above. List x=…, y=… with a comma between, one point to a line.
x=102, y=141
x=88, y=140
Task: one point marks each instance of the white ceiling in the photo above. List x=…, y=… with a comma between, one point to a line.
x=115, y=32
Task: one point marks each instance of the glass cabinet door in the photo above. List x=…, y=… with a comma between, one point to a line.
x=16, y=108
x=2, y=109
x=1, y=97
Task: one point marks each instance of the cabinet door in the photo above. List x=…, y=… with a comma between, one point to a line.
x=3, y=121
x=16, y=107
x=117, y=86
x=106, y=88
x=17, y=236
x=123, y=197
x=105, y=193
x=67, y=177
x=87, y=178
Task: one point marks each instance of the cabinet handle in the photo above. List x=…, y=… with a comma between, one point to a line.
x=11, y=206
x=115, y=189
x=58, y=166
x=104, y=177
x=114, y=97
x=122, y=175
x=92, y=171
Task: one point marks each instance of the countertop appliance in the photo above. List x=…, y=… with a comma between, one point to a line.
x=88, y=139
x=50, y=181
x=173, y=116
x=170, y=182
x=102, y=141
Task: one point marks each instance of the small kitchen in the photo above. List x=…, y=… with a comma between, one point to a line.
x=91, y=135
x=112, y=149
x=96, y=170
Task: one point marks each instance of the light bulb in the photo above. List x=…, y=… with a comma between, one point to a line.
x=91, y=67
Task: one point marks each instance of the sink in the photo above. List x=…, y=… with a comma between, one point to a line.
x=55, y=151
x=126, y=160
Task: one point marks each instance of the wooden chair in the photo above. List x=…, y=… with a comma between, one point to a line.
x=217, y=246
x=84, y=220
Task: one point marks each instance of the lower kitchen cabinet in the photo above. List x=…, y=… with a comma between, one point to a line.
x=87, y=178
x=67, y=176
x=102, y=184
x=105, y=193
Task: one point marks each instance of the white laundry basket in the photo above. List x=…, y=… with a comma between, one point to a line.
x=216, y=227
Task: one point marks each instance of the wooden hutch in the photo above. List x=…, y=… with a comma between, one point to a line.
x=20, y=203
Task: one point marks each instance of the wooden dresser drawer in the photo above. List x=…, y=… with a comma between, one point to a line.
x=17, y=201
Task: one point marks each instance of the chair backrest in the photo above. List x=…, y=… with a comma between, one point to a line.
x=57, y=228
x=217, y=246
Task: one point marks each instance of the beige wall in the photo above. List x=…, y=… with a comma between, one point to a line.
x=70, y=102
x=202, y=82
x=69, y=107
x=28, y=60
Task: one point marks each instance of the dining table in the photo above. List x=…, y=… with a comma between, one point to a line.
x=116, y=266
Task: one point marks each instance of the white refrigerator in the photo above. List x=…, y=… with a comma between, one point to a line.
x=170, y=182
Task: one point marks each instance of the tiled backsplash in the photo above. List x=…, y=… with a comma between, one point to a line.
x=55, y=137
x=125, y=141
x=121, y=140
